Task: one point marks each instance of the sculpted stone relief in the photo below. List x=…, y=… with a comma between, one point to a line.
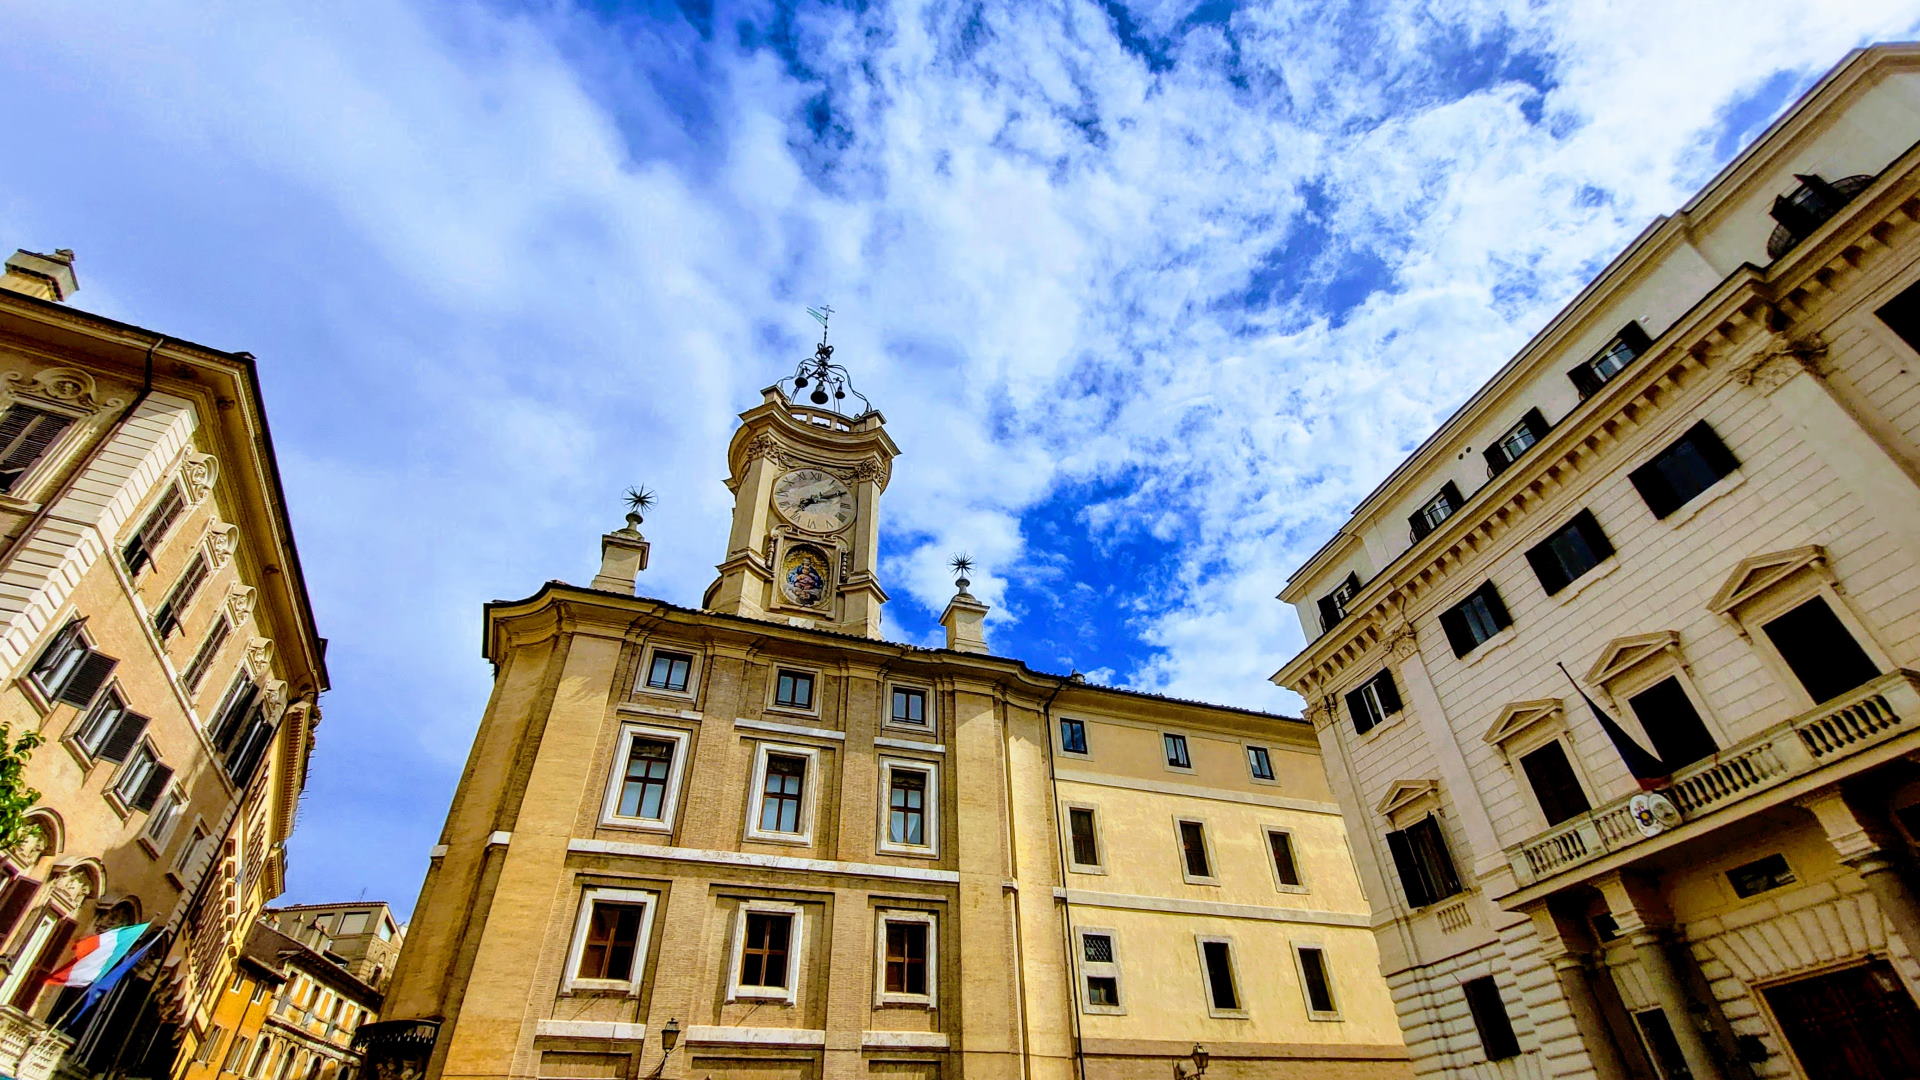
x=63, y=385
x=198, y=474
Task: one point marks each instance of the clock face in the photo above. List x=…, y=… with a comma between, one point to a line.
x=815, y=500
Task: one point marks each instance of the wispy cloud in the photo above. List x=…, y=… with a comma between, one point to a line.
x=1151, y=294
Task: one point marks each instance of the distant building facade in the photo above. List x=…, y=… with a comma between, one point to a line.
x=1697, y=490
x=363, y=937
x=288, y=1013
x=807, y=852
x=155, y=630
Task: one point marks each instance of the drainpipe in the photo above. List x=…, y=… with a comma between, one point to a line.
x=1060, y=855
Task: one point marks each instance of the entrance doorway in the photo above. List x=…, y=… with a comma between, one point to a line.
x=1855, y=1024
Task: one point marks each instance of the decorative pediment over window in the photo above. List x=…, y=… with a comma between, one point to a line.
x=1404, y=793
x=1762, y=572
x=1520, y=716
x=69, y=387
x=1623, y=654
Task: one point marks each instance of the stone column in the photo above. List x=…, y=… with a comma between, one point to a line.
x=1643, y=917
x=1590, y=1043
x=1866, y=841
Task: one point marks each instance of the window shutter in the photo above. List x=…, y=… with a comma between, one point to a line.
x=252, y=749
x=1455, y=624
x=1329, y=613
x=1501, y=620
x=123, y=738
x=156, y=783
x=1431, y=847
x=1654, y=489
x=1417, y=524
x=1536, y=424
x=1403, y=861
x=1496, y=459
x=1585, y=381
x=1452, y=492
x=1357, y=708
x=20, y=892
x=232, y=716
x=1591, y=532
x=1635, y=338
x=1389, y=693
x=1714, y=451
x=1546, y=566
x=86, y=679
x=26, y=433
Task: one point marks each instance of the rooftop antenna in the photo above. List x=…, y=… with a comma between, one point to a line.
x=830, y=381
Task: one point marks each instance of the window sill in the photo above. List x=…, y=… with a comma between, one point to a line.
x=599, y=988
x=909, y=1001
x=36, y=697
x=1713, y=494
x=1264, y=781
x=1210, y=881
x=1103, y=1010
x=765, y=994
x=786, y=839
x=637, y=825
x=1580, y=584
x=789, y=710
x=1228, y=1014
x=147, y=845
x=905, y=851
x=1187, y=770
x=112, y=799
x=1297, y=890
x=1081, y=868
x=80, y=755
x=901, y=725
x=1490, y=646
x=1075, y=755
x=1324, y=1018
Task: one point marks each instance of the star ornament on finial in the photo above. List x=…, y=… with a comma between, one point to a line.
x=962, y=565
x=639, y=501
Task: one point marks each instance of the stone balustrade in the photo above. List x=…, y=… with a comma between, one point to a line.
x=1837, y=729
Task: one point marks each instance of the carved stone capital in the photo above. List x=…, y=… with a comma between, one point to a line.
x=1403, y=643
x=871, y=469
x=67, y=386
x=1775, y=366
x=765, y=446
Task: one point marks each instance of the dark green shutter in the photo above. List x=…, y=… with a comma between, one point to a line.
x=124, y=737
x=86, y=679
x=150, y=792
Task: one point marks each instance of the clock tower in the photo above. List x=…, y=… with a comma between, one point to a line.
x=806, y=481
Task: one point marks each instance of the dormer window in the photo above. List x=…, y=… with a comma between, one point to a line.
x=1808, y=206
x=1333, y=606
x=1626, y=346
x=1437, y=509
x=1518, y=440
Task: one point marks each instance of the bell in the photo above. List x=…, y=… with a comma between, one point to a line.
x=838, y=394
x=818, y=397
x=799, y=382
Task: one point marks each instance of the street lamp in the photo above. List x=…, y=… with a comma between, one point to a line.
x=1200, y=1057
x=669, y=1038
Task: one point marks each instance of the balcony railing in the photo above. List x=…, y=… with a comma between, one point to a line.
x=28, y=1049
x=1873, y=714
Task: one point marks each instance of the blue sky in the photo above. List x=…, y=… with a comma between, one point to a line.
x=1150, y=293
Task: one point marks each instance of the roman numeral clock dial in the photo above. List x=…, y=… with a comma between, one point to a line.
x=815, y=500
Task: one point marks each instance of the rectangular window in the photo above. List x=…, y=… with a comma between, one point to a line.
x=1437, y=509
x=1222, y=993
x=1760, y=875
x=763, y=950
x=1490, y=1018
x=215, y=1035
x=1630, y=343
x=1193, y=850
x=1333, y=606
x=793, y=689
x=1819, y=650
x=1372, y=702
x=1672, y=724
x=1902, y=315
x=141, y=779
x=782, y=794
x=236, y=1054
x=1507, y=448
x=1551, y=776
x=1426, y=868
x=1260, y=762
x=189, y=851
x=1176, y=747
x=139, y=548
x=1315, y=982
x=906, y=959
x=669, y=671
x=1286, y=870
x=1086, y=847
x=69, y=670
x=1100, y=971
x=907, y=807
x=203, y=656
x=167, y=619
x=644, y=787
x=110, y=729
x=26, y=434
x=1472, y=621
x=165, y=816
x=1073, y=736
x=613, y=941
x=1571, y=551
x=1675, y=476
x=909, y=706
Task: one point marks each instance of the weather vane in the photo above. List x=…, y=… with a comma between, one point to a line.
x=962, y=565
x=639, y=501
x=830, y=381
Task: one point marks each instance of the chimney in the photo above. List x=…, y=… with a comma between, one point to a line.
x=623, y=554
x=965, y=620
x=49, y=277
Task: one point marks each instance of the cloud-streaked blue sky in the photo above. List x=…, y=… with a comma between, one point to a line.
x=1150, y=293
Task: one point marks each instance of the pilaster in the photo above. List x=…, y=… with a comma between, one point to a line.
x=1642, y=914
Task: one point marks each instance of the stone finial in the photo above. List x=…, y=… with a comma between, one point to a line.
x=623, y=552
x=49, y=277
x=965, y=617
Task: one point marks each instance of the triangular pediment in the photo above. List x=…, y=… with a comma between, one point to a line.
x=1403, y=792
x=1623, y=653
x=1761, y=572
x=1520, y=716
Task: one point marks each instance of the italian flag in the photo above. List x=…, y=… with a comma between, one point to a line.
x=93, y=956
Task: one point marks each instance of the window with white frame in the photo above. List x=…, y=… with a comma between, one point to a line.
x=610, y=937
x=766, y=955
x=784, y=778
x=911, y=794
x=26, y=434
x=793, y=688
x=907, y=948
x=645, y=788
x=68, y=669
x=1316, y=982
x=909, y=706
x=669, y=671
x=1221, y=982
x=189, y=851
x=109, y=730
x=1099, y=956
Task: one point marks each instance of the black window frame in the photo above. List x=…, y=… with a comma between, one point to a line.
x=1073, y=735
x=1827, y=660
x=1677, y=475
x=787, y=686
x=1588, y=376
x=1424, y=862
x=1333, y=606
x=1533, y=425
x=1221, y=979
x=1676, y=748
x=1316, y=980
x=1478, y=611
x=1285, y=860
x=72, y=681
x=1765, y=874
x=1422, y=522
x=901, y=966
x=1372, y=702
x=1260, y=762
x=680, y=663
x=1193, y=848
x=1557, y=559
x=137, y=553
x=908, y=695
x=1490, y=1018
x=762, y=950
x=1174, y=749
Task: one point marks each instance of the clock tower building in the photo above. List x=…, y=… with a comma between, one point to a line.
x=806, y=525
